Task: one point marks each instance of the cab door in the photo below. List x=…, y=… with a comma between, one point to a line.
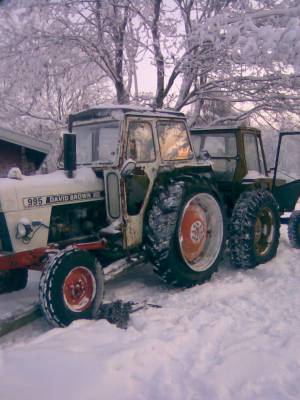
x=286, y=178
x=141, y=147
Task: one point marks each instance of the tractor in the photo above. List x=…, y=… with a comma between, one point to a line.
x=129, y=188
x=255, y=198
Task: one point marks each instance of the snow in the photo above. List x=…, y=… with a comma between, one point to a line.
x=113, y=229
x=235, y=337
x=13, y=192
x=254, y=175
x=14, y=173
x=81, y=174
x=127, y=107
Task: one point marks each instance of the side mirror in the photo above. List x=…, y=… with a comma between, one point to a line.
x=128, y=167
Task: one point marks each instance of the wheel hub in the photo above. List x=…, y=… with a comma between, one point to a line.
x=79, y=289
x=200, y=232
x=193, y=231
x=264, y=231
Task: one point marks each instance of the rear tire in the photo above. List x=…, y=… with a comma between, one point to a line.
x=13, y=280
x=71, y=287
x=254, y=229
x=185, y=234
x=294, y=229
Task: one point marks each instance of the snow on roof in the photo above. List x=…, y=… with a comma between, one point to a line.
x=119, y=106
x=108, y=109
x=23, y=140
x=222, y=128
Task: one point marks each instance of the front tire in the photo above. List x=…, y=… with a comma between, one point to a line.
x=71, y=287
x=185, y=242
x=254, y=229
x=294, y=229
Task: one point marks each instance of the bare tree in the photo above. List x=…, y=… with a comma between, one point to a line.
x=221, y=61
x=242, y=54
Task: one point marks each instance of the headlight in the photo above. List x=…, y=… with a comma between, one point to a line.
x=23, y=228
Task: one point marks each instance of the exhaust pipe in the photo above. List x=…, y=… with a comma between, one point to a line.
x=69, y=153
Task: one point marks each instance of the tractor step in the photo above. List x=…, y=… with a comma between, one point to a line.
x=116, y=268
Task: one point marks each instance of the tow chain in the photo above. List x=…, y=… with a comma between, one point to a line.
x=118, y=312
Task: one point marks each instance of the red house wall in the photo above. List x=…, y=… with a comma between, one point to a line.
x=10, y=156
x=13, y=155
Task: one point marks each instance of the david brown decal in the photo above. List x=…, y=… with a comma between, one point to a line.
x=39, y=201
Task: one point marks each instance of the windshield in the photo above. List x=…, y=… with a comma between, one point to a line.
x=217, y=144
x=97, y=143
x=174, y=141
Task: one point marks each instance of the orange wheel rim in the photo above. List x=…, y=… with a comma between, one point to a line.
x=193, y=232
x=79, y=289
x=264, y=231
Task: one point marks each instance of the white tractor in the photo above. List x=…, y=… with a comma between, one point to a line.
x=130, y=188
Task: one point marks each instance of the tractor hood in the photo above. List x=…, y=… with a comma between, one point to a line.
x=50, y=189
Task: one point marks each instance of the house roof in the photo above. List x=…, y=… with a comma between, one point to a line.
x=23, y=140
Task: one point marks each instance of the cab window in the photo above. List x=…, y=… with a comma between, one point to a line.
x=261, y=158
x=174, y=141
x=140, y=146
x=222, y=149
x=217, y=144
x=251, y=152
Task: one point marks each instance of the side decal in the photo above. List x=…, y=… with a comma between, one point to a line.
x=39, y=201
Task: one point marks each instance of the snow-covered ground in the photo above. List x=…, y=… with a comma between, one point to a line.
x=235, y=337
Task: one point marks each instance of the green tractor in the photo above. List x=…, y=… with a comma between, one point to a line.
x=256, y=198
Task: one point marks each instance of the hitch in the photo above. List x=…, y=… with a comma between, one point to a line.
x=118, y=312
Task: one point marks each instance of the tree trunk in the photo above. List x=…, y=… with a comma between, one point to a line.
x=159, y=59
x=122, y=93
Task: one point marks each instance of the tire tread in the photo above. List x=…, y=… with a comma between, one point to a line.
x=294, y=229
x=241, y=229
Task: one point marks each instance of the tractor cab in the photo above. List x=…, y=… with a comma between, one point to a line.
x=237, y=153
x=239, y=161
x=128, y=148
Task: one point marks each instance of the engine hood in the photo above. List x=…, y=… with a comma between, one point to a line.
x=50, y=189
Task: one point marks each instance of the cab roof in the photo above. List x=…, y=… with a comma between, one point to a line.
x=224, y=129
x=119, y=111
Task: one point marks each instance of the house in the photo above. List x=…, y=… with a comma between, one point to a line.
x=19, y=150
